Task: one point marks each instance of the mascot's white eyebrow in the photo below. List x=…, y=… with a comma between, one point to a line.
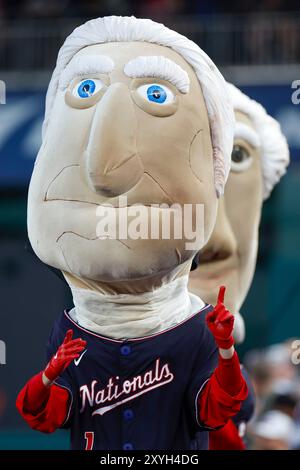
x=85, y=65
x=242, y=131
x=158, y=67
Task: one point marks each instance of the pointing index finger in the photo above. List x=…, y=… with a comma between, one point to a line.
x=68, y=337
x=221, y=295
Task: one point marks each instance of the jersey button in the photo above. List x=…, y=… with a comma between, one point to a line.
x=125, y=350
x=128, y=414
x=127, y=446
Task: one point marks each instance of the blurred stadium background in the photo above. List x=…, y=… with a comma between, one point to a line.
x=256, y=44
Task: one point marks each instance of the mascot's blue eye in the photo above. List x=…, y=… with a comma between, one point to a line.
x=156, y=93
x=87, y=88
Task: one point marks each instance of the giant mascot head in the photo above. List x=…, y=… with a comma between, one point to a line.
x=137, y=116
x=259, y=158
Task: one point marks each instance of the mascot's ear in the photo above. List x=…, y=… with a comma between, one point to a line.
x=57, y=272
x=196, y=261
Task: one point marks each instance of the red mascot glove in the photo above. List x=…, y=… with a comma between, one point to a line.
x=66, y=353
x=220, y=322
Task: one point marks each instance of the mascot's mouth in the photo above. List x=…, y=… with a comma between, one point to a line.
x=154, y=205
x=67, y=186
x=216, y=270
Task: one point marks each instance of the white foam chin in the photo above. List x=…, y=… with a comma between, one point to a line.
x=122, y=316
x=239, y=330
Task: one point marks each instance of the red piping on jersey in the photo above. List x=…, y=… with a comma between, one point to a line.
x=132, y=339
x=197, y=413
x=71, y=401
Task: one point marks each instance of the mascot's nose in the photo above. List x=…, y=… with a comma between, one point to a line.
x=112, y=165
x=222, y=243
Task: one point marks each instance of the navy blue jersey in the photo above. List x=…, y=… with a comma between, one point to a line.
x=248, y=406
x=137, y=393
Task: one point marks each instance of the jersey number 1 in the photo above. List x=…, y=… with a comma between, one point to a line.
x=89, y=440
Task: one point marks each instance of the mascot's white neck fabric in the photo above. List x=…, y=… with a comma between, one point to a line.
x=123, y=316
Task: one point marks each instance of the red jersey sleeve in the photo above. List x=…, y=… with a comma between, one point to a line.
x=223, y=394
x=226, y=438
x=44, y=408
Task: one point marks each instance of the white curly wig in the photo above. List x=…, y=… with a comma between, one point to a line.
x=274, y=148
x=123, y=29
